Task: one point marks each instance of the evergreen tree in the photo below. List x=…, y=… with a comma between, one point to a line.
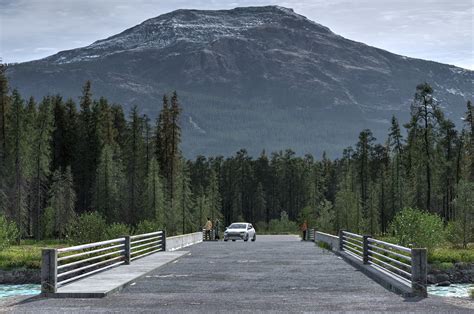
x=425, y=118
x=154, y=194
x=18, y=161
x=41, y=157
x=62, y=199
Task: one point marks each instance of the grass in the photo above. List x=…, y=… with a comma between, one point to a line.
x=26, y=255
x=451, y=255
x=472, y=293
x=324, y=245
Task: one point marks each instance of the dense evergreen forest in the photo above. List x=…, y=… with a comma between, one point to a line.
x=61, y=160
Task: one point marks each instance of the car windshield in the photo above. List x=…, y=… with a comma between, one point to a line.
x=237, y=226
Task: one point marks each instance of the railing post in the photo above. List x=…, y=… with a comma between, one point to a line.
x=128, y=250
x=419, y=272
x=365, y=248
x=163, y=240
x=341, y=237
x=49, y=270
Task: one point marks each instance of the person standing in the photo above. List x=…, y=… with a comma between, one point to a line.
x=304, y=228
x=216, y=229
x=208, y=228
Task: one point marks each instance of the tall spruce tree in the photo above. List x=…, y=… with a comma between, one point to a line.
x=43, y=130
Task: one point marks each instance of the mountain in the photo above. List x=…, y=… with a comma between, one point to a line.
x=253, y=77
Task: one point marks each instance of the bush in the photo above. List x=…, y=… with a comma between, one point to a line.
x=412, y=227
x=117, y=230
x=147, y=226
x=453, y=235
x=88, y=227
x=282, y=225
x=8, y=232
x=449, y=255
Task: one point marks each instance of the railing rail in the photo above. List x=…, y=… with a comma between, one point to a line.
x=408, y=265
x=145, y=244
x=310, y=234
x=65, y=265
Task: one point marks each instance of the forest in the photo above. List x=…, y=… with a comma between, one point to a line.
x=74, y=170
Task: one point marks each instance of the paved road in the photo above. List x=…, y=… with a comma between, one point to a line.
x=276, y=273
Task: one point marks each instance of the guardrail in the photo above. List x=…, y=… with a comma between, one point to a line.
x=145, y=244
x=62, y=266
x=407, y=265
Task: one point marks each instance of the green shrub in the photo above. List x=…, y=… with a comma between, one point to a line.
x=8, y=232
x=147, y=226
x=412, y=227
x=472, y=293
x=117, y=230
x=449, y=255
x=282, y=225
x=87, y=228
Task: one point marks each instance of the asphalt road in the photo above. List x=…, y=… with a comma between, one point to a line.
x=275, y=273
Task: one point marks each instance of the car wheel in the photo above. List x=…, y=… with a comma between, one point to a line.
x=225, y=240
x=246, y=238
x=233, y=240
x=254, y=238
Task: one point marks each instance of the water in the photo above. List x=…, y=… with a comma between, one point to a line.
x=17, y=290
x=454, y=290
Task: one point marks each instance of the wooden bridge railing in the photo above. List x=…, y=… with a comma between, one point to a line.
x=62, y=266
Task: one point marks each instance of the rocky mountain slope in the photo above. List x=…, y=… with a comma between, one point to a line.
x=254, y=77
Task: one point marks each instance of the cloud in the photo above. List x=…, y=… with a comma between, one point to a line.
x=437, y=30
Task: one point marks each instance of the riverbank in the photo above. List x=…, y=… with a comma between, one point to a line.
x=445, y=274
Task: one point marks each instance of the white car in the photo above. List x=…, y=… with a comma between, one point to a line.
x=240, y=231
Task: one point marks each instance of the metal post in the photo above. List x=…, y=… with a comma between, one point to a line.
x=49, y=270
x=365, y=248
x=163, y=240
x=341, y=237
x=128, y=250
x=419, y=272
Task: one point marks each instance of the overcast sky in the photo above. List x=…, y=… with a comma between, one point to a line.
x=439, y=30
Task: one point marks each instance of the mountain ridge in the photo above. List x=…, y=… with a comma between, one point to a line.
x=255, y=77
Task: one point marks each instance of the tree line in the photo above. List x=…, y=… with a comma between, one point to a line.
x=60, y=159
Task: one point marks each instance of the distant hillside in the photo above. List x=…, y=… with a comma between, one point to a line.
x=254, y=77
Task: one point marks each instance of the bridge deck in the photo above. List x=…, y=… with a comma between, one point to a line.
x=276, y=273
x=113, y=280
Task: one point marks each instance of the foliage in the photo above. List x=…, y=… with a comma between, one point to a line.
x=412, y=227
x=461, y=230
x=282, y=225
x=26, y=255
x=88, y=228
x=147, y=226
x=117, y=230
x=8, y=232
x=451, y=255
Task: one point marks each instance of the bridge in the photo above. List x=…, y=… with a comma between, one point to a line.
x=275, y=273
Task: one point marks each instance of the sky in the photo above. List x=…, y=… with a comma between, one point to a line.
x=438, y=30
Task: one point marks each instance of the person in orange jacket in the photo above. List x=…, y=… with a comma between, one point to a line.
x=304, y=228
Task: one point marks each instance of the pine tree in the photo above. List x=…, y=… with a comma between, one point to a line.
x=135, y=170
x=364, y=151
x=62, y=199
x=4, y=106
x=43, y=129
x=17, y=161
x=154, y=194
x=425, y=116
